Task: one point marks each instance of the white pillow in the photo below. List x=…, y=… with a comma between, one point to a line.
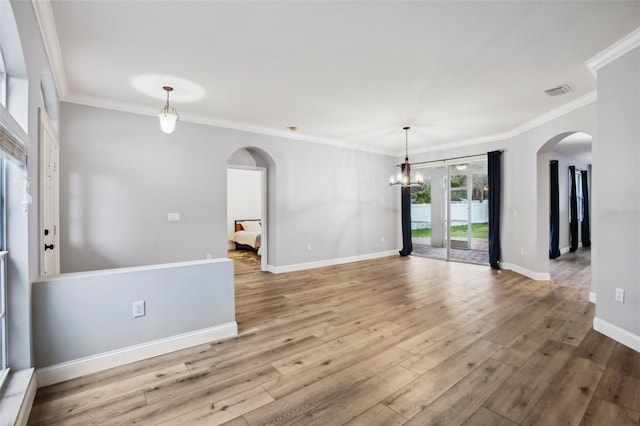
x=252, y=226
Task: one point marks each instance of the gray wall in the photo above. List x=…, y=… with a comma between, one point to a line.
x=84, y=314
x=616, y=204
x=120, y=176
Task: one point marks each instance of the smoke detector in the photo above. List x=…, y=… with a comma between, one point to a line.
x=560, y=90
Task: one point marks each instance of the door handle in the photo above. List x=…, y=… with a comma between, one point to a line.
x=48, y=247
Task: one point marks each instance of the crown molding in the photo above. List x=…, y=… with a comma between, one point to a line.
x=209, y=121
x=46, y=22
x=613, y=52
x=215, y=122
x=577, y=103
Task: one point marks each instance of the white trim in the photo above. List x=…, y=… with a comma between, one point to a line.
x=565, y=250
x=17, y=397
x=46, y=22
x=27, y=402
x=216, y=122
x=618, y=334
x=92, y=364
x=613, y=52
x=577, y=103
x=592, y=297
x=329, y=262
x=537, y=276
x=210, y=121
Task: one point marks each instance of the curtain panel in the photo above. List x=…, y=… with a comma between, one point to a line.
x=586, y=232
x=554, y=210
x=405, y=205
x=573, y=202
x=494, y=163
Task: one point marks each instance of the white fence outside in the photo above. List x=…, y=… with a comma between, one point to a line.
x=421, y=213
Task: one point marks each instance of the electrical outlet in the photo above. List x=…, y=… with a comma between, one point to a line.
x=521, y=250
x=308, y=247
x=382, y=239
x=620, y=295
x=138, y=309
x=209, y=256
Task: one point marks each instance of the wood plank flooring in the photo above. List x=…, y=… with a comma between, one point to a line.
x=393, y=341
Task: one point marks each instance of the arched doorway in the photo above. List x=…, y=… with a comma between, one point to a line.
x=565, y=149
x=256, y=170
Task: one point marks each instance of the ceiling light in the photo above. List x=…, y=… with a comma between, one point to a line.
x=461, y=167
x=168, y=116
x=404, y=177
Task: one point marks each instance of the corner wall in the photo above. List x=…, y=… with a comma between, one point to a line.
x=616, y=189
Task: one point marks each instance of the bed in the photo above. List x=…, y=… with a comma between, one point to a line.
x=247, y=235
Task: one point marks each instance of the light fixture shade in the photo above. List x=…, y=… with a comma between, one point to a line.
x=168, y=117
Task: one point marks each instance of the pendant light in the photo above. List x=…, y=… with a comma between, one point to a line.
x=168, y=116
x=404, y=177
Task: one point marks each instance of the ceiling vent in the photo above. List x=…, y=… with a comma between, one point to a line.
x=557, y=91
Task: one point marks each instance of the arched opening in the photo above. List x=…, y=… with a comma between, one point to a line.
x=250, y=205
x=565, y=149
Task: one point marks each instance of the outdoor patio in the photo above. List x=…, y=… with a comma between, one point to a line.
x=479, y=252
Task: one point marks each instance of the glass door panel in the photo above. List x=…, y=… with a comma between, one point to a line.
x=468, y=228
x=428, y=214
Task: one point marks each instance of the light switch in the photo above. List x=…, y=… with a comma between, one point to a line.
x=173, y=217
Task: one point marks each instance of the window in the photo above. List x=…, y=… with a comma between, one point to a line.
x=3, y=282
x=579, y=195
x=3, y=82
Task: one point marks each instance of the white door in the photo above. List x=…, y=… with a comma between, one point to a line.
x=49, y=178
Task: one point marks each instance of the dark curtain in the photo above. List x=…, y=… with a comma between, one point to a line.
x=554, y=210
x=405, y=203
x=586, y=233
x=494, y=175
x=573, y=225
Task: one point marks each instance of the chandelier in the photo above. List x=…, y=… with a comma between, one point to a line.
x=404, y=177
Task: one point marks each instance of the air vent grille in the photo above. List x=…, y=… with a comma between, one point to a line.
x=560, y=90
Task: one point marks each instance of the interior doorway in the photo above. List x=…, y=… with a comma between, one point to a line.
x=572, y=149
x=450, y=213
x=246, y=213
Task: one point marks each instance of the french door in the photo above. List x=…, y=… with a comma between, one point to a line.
x=450, y=214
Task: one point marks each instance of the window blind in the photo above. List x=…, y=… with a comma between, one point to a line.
x=11, y=145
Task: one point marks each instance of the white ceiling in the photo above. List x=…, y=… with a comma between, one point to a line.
x=343, y=72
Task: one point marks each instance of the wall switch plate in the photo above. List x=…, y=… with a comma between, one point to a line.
x=308, y=247
x=138, y=309
x=620, y=295
x=382, y=239
x=173, y=217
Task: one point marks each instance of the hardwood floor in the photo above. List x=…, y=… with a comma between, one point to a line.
x=394, y=341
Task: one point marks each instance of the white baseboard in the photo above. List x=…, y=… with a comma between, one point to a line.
x=592, y=297
x=618, y=334
x=565, y=250
x=92, y=364
x=538, y=276
x=329, y=262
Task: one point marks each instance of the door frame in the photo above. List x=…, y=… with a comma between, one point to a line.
x=263, y=210
x=45, y=127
